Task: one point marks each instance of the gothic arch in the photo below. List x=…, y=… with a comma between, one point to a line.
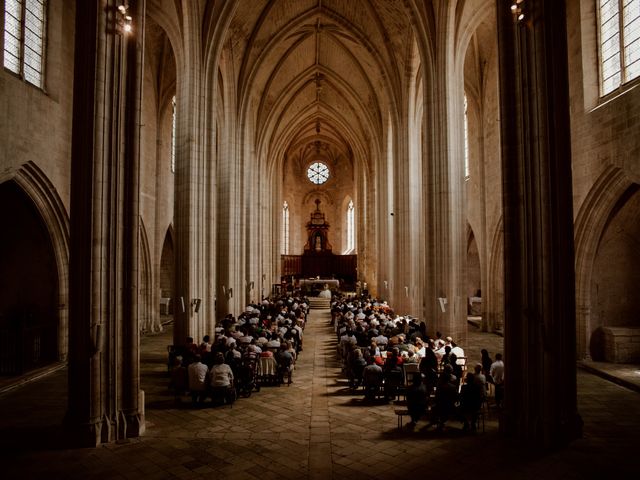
x=344, y=221
x=589, y=226
x=494, y=291
x=474, y=266
x=166, y=274
x=44, y=195
x=146, y=314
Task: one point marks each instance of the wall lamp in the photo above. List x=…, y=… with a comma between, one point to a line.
x=517, y=9
x=124, y=21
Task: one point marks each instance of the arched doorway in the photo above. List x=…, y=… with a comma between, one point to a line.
x=167, y=262
x=616, y=274
x=474, y=287
x=29, y=319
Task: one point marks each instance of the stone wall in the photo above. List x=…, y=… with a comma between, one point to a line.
x=605, y=143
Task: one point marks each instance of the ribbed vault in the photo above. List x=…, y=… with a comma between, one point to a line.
x=318, y=72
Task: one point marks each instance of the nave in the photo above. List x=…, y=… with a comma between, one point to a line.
x=314, y=428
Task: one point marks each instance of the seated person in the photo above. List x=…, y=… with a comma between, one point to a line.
x=372, y=377
x=285, y=363
x=393, y=375
x=357, y=364
x=458, y=352
x=457, y=368
x=221, y=381
x=429, y=369
x=446, y=397
x=417, y=399
x=471, y=398
x=197, y=380
x=445, y=359
x=179, y=382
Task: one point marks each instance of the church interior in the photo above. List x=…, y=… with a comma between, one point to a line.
x=475, y=164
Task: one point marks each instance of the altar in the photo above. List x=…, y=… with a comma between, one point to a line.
x=318, y=265
x=319, y=283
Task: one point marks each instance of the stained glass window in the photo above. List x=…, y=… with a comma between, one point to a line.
x=318, y=173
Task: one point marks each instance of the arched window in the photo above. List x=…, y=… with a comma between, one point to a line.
x=24, y=38
x=466, y=140
x=285, y=229
x=173, y=134
x=619, y=40
x=351, y=228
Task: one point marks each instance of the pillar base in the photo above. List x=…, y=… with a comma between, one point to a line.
x=86, y=434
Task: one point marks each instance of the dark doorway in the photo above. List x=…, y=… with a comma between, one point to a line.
x=28, y=286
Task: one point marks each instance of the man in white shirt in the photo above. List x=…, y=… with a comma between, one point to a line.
x=459, y=353
x=197, y=376
x=497, y=375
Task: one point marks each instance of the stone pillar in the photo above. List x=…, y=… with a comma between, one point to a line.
x=132, y=422
x=193, y=186
x=540, y=367
x=443, y=173
x=104, y=397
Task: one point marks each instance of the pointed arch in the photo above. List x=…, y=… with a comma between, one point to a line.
x=35, y=183
x=474, y=266
x=494, y=296
x=589, y=227
x=167, y=273
x=145, y=314
x=349, y=226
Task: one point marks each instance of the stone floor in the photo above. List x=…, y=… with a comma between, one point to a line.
x=316, y=428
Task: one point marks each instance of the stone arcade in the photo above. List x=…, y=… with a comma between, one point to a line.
x=161, y=156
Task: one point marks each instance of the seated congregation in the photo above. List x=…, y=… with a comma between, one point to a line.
x=392, y=357
x=258, y=348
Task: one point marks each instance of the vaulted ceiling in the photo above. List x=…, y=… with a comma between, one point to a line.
x=319, y=73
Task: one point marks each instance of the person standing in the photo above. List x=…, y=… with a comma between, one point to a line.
x=497, y=374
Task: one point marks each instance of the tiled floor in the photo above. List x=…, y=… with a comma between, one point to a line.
x=316, y=428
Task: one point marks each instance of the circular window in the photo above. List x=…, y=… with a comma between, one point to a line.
x=318, y=173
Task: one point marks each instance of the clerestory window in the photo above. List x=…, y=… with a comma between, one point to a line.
x=173, y=134
x=619, y=42
x=351, y=228
x=24, y=39
x=466, y=140
x=285, y=229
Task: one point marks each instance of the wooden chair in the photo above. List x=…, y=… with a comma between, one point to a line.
x=401, y=413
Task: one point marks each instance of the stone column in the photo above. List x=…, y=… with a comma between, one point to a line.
x=104, y=397
x=443, y=173
x=132, y=421
x=540, y=379
x=192, y=186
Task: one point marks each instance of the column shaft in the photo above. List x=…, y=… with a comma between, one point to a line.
x=538, y=225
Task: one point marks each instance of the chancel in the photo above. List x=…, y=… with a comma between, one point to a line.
x=180, y=179
x=318, y=233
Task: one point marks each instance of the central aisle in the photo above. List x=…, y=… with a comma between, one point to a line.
x=316, y=428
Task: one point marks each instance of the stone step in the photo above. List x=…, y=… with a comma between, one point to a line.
x=318, y=303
